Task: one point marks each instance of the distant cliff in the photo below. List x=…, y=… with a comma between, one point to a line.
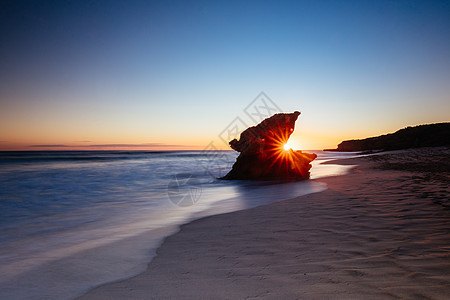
x=430, y=135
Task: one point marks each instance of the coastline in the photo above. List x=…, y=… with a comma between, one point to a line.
x=380, y=231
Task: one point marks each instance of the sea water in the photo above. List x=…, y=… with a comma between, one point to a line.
x=72, y=220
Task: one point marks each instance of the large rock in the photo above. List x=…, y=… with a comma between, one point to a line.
x=263, y=155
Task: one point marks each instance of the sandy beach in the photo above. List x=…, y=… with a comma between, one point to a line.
x=382, y=231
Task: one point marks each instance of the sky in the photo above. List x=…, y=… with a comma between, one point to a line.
x=164, y=75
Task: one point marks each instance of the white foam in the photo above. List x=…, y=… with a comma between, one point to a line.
x=66, y=263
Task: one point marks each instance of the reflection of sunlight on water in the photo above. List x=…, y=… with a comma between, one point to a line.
x=319, y=169
x=253, y=195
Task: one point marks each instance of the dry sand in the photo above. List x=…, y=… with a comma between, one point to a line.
x=376, y=233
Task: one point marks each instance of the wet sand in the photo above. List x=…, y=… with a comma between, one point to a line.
x=382, y=231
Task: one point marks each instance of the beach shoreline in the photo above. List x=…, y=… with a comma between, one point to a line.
x=380, y=231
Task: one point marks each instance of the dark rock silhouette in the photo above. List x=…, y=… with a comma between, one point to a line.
x=263, y=155
x=430, y=135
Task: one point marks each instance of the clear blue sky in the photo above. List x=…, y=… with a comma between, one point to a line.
x=159, y=74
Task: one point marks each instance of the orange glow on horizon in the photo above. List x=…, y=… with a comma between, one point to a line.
x=294, y=143
x=152, y=142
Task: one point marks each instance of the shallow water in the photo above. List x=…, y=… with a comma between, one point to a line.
x=73, y=220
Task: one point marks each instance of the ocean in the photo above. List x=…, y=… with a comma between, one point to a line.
x=73, y=220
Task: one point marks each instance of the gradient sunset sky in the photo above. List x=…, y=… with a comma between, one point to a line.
x=175, y=74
